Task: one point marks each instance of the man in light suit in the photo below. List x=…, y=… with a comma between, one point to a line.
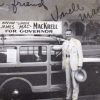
x=72, y=60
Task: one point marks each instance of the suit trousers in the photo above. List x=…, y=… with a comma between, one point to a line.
x=71, y=83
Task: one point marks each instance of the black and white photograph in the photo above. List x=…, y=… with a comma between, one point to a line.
x=49, y=49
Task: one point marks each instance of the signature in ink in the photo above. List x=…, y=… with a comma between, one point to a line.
x=57, y=15
x=15, y=5
x=89, y=15
x=1, y=4
x=74, y=8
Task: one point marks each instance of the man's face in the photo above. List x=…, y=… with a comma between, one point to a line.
x=68, y=35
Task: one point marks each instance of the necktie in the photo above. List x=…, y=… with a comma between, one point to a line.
x=67, y=48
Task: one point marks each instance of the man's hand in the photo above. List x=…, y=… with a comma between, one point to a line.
x=57, y=47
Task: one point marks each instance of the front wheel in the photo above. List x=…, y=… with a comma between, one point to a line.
x=16, y=90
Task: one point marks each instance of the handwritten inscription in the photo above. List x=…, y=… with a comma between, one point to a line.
x=74, y=8
x=57, y=15
x=15, y=5
x=90, y=14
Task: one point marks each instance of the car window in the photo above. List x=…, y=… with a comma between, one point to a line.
x=6, y=53
x=33, y=54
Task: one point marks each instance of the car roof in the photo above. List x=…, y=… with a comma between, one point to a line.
x=27, y=40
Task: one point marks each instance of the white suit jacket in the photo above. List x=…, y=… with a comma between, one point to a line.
x=74, y=49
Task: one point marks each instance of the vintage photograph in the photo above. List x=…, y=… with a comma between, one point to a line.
x=49, y=49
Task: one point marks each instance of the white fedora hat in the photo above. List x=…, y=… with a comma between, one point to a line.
x=80, y=75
